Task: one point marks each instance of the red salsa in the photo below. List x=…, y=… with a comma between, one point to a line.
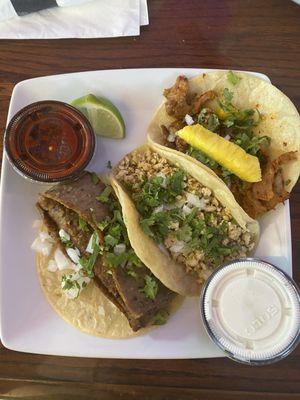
x=49, y=141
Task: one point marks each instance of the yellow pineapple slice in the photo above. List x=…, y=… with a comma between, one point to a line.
x=226, y=153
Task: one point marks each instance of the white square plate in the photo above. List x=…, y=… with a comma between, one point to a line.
x=28, y=323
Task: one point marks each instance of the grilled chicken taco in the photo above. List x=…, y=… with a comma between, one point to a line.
x=182, y=220
x=90, y=274
x=240, y=127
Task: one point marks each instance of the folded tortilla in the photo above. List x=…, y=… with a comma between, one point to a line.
x=113, y=304
x=281, y=121
x=171, y=273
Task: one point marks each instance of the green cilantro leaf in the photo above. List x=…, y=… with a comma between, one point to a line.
x=95, y=178
x=228, y=95
x=208, y=119
x=151, y=287
x=110, y=240
x=233, y=78
x=160, y=318
x=104, y=196
x=82, y=225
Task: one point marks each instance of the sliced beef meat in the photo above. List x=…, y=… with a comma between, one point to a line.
x=80, y=196
x=61, y=207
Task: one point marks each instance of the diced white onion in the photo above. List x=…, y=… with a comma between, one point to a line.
x=61, y=260
x=177, y=247
x=188, y=119
x=44, y=236
x=73, y=292
x=119, y=248
x=43, y=247
x=52, y=266
x=83, y=279
x=171, y=138
x=227, y=137
x=89, y=248
x=194, y=200
x=158, y=209
x=73, y=254
x=186, y=209
x=64, y=235
x=37, y=223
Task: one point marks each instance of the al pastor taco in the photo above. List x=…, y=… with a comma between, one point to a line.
x=90, y=274
x=182, y=220
x=240, y=127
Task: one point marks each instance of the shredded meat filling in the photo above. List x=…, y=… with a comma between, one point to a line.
x=263, y=196
x=178, y=102
x=256, y=198
x=181, y=102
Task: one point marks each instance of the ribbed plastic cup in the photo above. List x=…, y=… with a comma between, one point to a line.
x=251, y=310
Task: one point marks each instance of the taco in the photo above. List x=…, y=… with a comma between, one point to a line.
x=252, y=115
x=92, y=276
x=182, y=221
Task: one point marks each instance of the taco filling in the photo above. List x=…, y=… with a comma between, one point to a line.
x=181, y=215
x=216, y=112
x=85, y=220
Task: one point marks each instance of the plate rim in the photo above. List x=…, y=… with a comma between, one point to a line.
x=5, y=165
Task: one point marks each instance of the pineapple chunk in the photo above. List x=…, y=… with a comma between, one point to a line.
x=226, y=153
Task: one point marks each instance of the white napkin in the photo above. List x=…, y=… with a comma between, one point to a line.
x=100, y=18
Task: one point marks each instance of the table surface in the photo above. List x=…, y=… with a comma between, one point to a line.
x=252, y=35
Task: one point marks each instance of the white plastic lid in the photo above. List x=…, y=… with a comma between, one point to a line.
x=251, y=309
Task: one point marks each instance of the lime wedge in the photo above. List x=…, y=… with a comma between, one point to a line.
x=105, y=118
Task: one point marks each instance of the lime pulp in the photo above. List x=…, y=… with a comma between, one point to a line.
x=105, y=118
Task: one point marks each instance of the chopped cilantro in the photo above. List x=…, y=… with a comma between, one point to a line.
x=175, y=183
x=103, y=224
x=88, y=263
x=157, y=191
x=227, y=95
x=114, y=260
x=233, y=78
x=151, y=287
x=160, y=318
x=82, y=225
x=185, y=233
x=104, y=196
x=208, y=119
x=67, y=284
x=66, y=242
x=95, y=178
x=239, y=124
x=200, y=156
x=110, y=240
x=287, y=182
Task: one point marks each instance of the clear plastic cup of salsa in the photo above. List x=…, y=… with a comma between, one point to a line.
x=49, y=141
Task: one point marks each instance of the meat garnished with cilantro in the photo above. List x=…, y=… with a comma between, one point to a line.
x=217, y=113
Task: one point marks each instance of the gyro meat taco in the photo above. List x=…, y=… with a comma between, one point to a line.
x=240, y=127
x=182, y=221
x=91, y=276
